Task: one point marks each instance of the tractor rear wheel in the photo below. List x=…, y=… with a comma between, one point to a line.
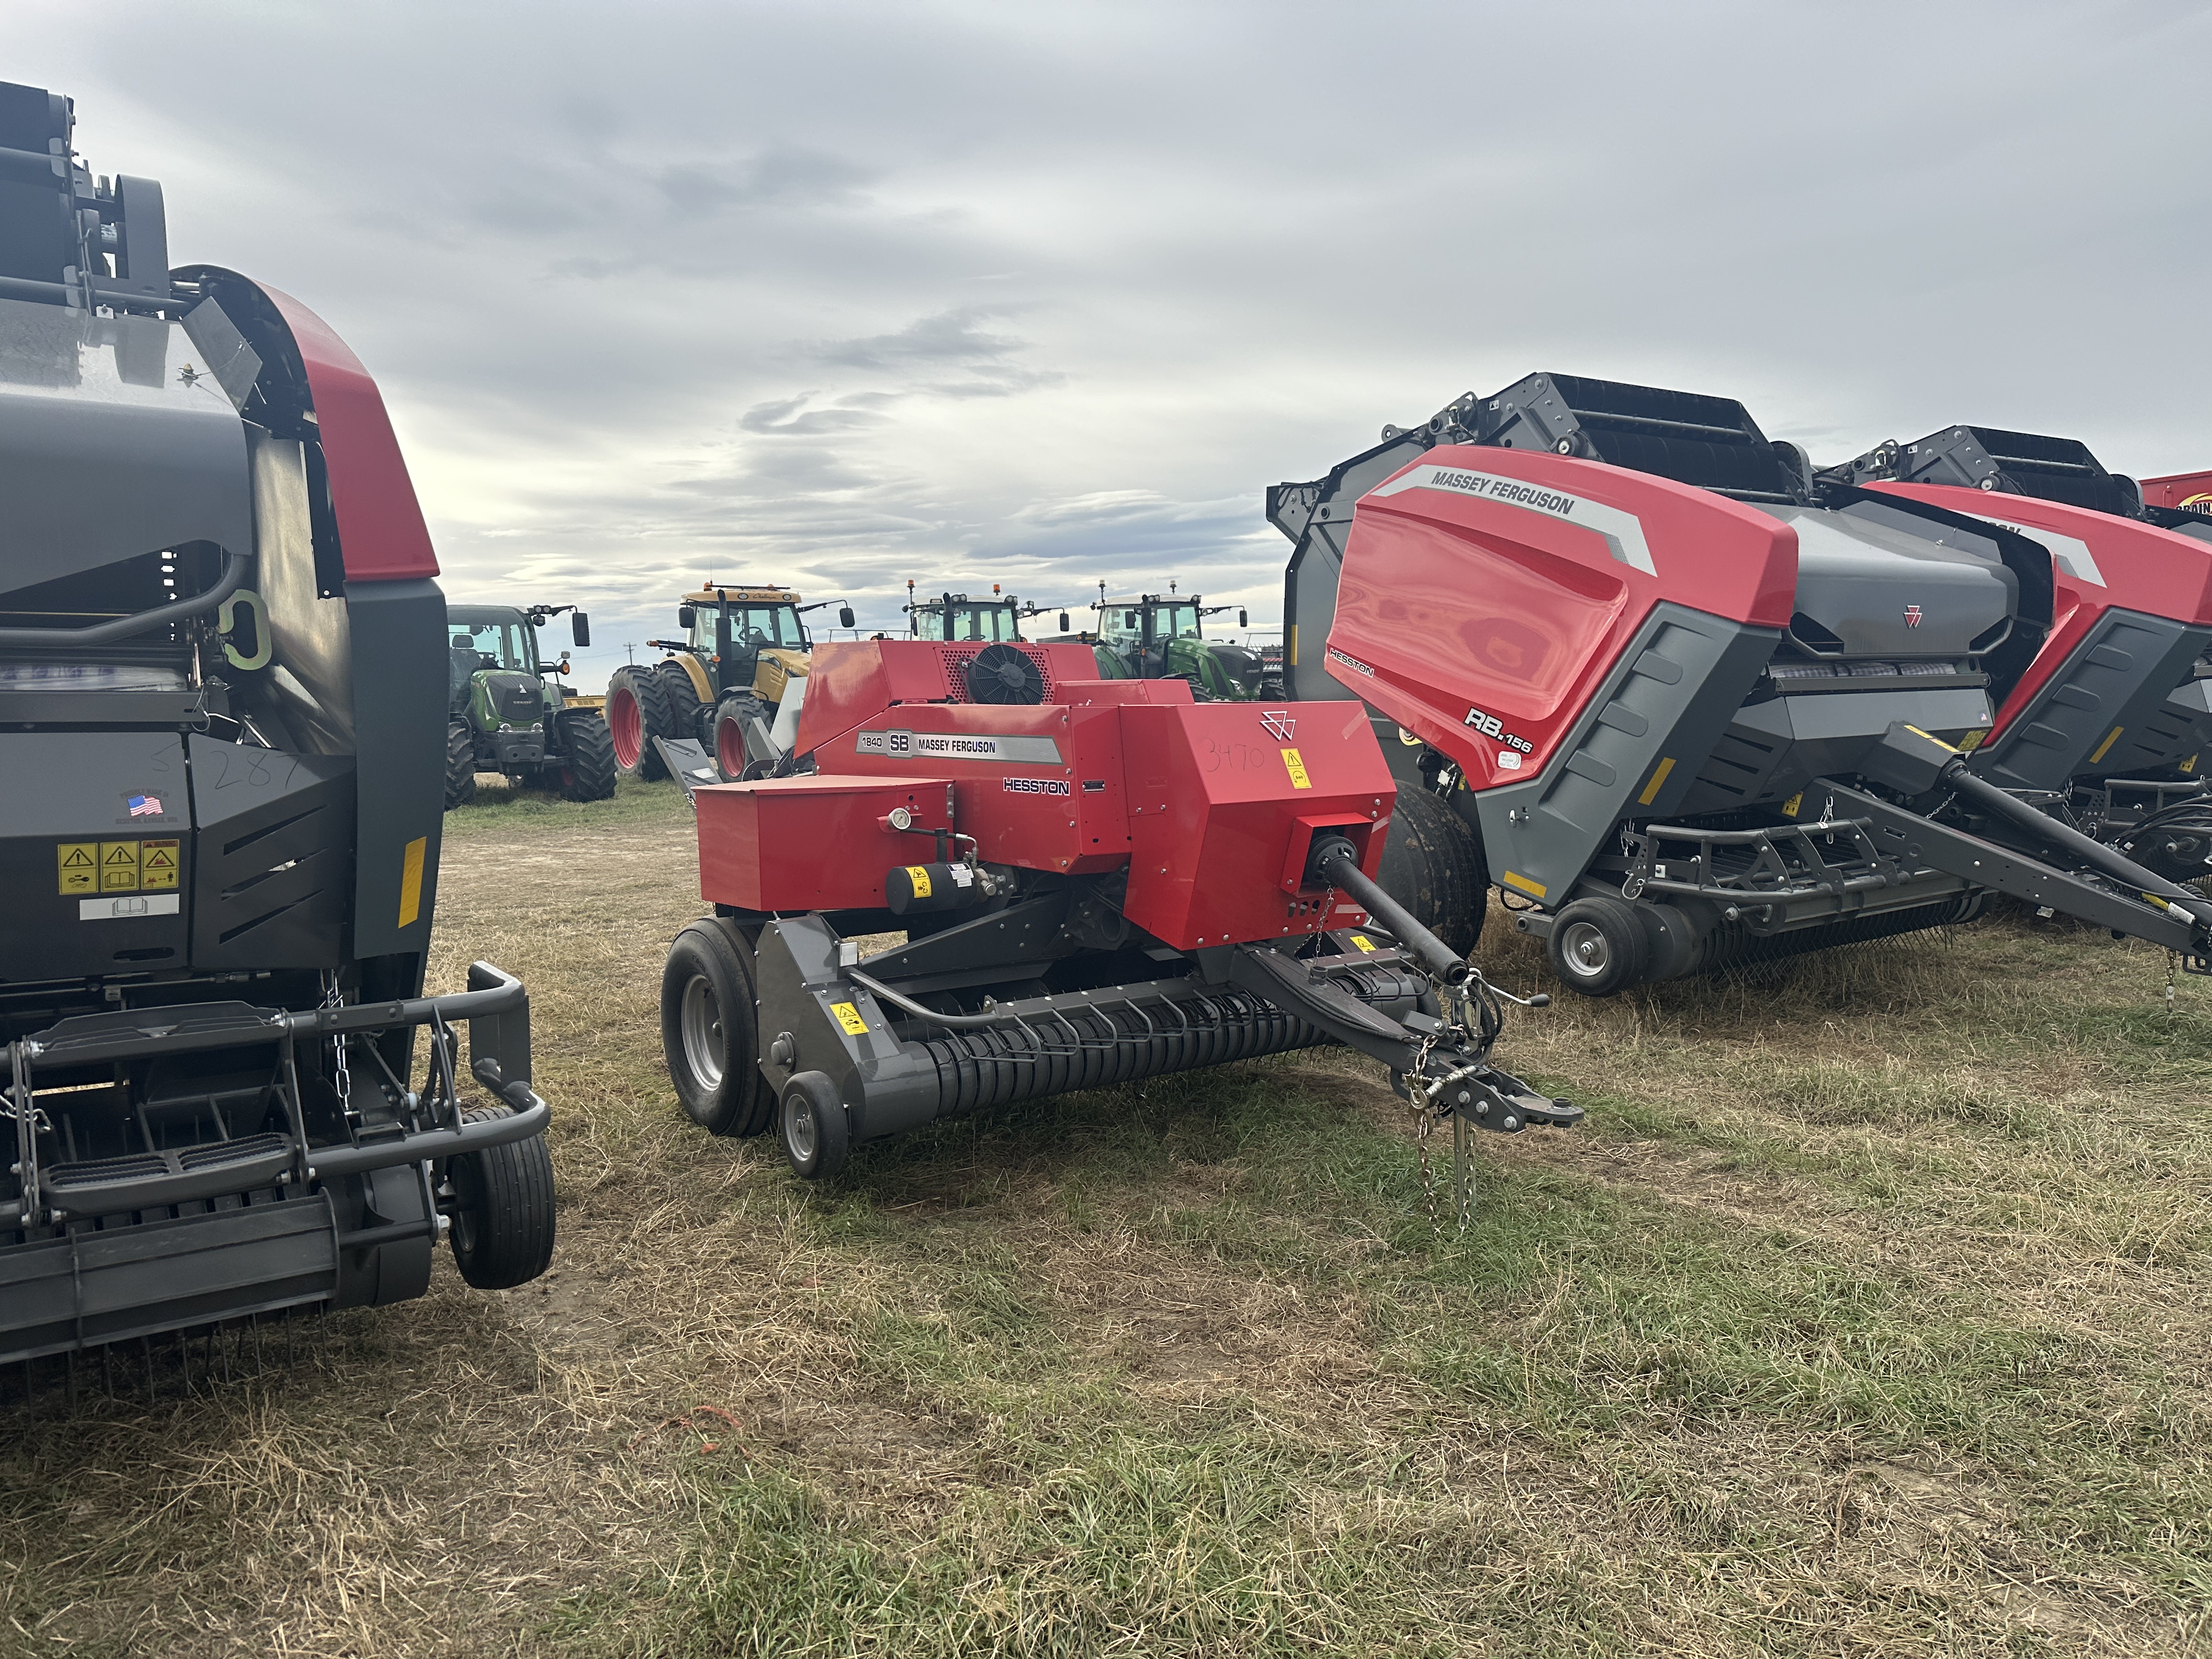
x=683, y=703
x=637, y=713
x=730, y=718
x=460, y=764
x=502, y=1208
x=710, y=1032
x=588, y=770
x=1432, y=864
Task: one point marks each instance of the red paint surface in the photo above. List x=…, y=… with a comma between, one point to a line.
x=1198, y=800
x=849, y=680
x=2192, y=490
x=380, y=528
x=814, y=843
x=2157, y=572
x=1457, y=601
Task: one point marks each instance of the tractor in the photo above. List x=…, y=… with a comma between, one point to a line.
x=733, y=685
x=956, y=617
x=508, y=711
x=1162, y=636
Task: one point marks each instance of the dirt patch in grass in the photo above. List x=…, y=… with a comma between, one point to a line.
x=1863, y=1317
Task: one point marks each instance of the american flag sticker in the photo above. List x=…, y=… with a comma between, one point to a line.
x=145, y=806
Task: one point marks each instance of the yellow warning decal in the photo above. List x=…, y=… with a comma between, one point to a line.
x=1972, y=740
x=2112, y=738
x=1789, y=807
x=2189, y=765
x=1940, y=743
x=157, y=865
x=1362, y=942
x=919, y=875
x=77, y=865
x=411, y=880
x=119, y=866
x=1294, y=764
x=849, y=1018
x=1521, y=884
x=1658, y=778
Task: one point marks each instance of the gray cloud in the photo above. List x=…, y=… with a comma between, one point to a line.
x=966, y=291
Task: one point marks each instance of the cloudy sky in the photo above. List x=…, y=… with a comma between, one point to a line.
x=840, y=294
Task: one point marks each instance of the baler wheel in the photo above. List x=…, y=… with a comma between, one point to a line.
x=460, y=764
x=1598, y=946
x=589, y=773
x=709, y=1031
x=818, y=1136
x=1432, y=864
x=637, y=713
x=502, y=1209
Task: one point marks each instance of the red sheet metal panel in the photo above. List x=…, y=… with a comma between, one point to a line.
x=1223, y=799
x=813, y=843
x=2191, y=491
x=1511, y=580
x=380, y=528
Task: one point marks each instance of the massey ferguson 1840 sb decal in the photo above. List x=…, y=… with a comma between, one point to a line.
x=958, y=745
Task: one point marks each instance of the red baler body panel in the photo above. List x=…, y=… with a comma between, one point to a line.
x=2098, y=563
x=814, y=843
x=1509, y=581
x=1211, y=807
x=2191, y=492
x=380, y=525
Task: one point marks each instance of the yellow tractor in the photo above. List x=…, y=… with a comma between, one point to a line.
x=733, y=685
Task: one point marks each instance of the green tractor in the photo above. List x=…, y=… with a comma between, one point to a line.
x=509, y=712
x=1159, y=636
x=733, y=685
x=956, y=618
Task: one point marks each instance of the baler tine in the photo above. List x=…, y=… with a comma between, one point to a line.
x=1112, y=882
x=1684, y=701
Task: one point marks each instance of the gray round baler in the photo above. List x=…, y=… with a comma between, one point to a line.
x=223, y=705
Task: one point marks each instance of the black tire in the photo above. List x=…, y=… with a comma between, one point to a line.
x=460, y=764
x=817, y=1136
x=729, y=733
x=709, y=1030
x=589, y=772
x=1598, y=946
x=1432, y=864
x=684, y=704
x=502, y=1232
x=637, y=714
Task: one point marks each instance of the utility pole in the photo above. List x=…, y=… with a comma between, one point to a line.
x=631, y=646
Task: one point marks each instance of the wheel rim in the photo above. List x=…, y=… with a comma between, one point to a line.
x=730, y=748
x=799, y=1128
x=625, y=725
x=703, y=1032
x=1584, y=951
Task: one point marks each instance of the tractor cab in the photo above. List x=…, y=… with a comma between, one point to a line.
x=742, y=639
x=1163, y=636
x=955, y=619
x=503, y=701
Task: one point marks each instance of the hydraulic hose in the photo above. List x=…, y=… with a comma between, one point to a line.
x=1335, y=863
x=234, y=567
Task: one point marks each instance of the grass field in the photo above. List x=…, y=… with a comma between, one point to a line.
x=1865, y=1314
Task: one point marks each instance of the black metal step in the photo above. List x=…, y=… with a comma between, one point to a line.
x=150, y=1181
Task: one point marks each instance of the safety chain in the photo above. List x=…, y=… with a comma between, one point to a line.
x=341, y=1073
